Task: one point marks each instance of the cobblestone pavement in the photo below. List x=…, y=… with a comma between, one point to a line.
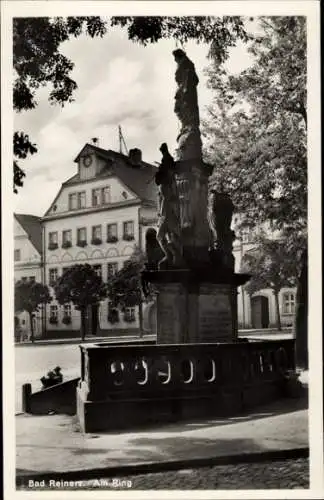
x=287, y=474
x=284, y=474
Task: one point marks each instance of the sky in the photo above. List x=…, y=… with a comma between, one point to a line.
x=119, y=83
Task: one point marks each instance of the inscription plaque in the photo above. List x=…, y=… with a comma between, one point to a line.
x=169, y=314
x=215, y=318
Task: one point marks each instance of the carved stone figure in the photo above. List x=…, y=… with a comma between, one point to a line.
x=186, y=107
x=153, y=250
x=220, y=212
x=168, y=234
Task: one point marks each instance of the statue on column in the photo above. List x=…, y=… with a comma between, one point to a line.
x=220, y=213
x=186, y=107
x=169, y=234
x=153, y=250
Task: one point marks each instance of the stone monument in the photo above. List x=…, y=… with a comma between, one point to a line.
x=195, y=280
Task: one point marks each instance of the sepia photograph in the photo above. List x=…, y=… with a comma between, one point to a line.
x=162, y=249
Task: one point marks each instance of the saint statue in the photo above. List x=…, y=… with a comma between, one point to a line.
x=186, y=107
x=168, y=235
x=153, y=250
x=219, y=213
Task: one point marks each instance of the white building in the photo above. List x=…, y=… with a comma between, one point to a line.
x=28, y=263
x=98, y=217
x=259, y=310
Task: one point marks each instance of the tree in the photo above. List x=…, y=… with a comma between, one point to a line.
x=29, y=295
x=21, y=148
x=83, y=287
x=220, y=33
x=125, y=287
x=256, y=137
x=271, y=266
x=38, y=61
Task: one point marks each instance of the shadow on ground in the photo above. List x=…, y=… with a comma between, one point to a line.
x=280, y=407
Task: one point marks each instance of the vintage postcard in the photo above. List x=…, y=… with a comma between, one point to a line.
x=161, y=192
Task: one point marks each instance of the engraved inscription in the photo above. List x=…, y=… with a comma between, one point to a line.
x=168, y=314
x=215, y=319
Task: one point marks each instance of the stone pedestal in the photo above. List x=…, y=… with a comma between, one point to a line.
x=195, y=308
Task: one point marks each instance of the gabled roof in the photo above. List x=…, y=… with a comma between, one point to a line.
x=32, y=225
x=139, y=178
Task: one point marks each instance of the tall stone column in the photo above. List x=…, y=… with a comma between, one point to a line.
x=195, y=281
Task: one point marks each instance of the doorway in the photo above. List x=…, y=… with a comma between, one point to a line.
x=260, y=312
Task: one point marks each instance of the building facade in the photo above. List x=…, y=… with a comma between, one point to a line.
x=259, y=310
x=28, y=265
x=99, y=217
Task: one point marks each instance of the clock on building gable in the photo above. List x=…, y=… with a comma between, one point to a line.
x=90, y=163
x=87, y=165
x=87, y=160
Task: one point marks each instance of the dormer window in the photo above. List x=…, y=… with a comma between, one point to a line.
x=106, y=195
x=96, y=195
x=82, y=199
x=77, y=200
x=101, y=196
x=73, y=201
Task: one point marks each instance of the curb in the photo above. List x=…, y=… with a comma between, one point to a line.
x=79, y=341
x=155, y=467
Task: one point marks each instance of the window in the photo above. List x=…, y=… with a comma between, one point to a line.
x=288, y=303
x=67, y=238
x=53, y=240
x=112, y=269
x=97, y=269
x=96, y=235
x=96, y=196
x=105, y=195
x=73, y=201
x=113, y=314
x=81, y=236
x=128, y=230
x=129, y=315
x=82, y=199
x=112, y=235
x=53, y=318
x=101, y=196
x=67, y=310
x=52, y=275
x=77, y=200
x=17, y=255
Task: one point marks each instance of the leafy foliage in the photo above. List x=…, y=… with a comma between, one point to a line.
x=220, y=33
x=21, y=148
x=80, y=285
x=38, y=62
x=271, y=266
x=256, y=137
x=29, y=295
x=125, y=287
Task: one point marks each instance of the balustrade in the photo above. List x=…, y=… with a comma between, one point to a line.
x=139, y=371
